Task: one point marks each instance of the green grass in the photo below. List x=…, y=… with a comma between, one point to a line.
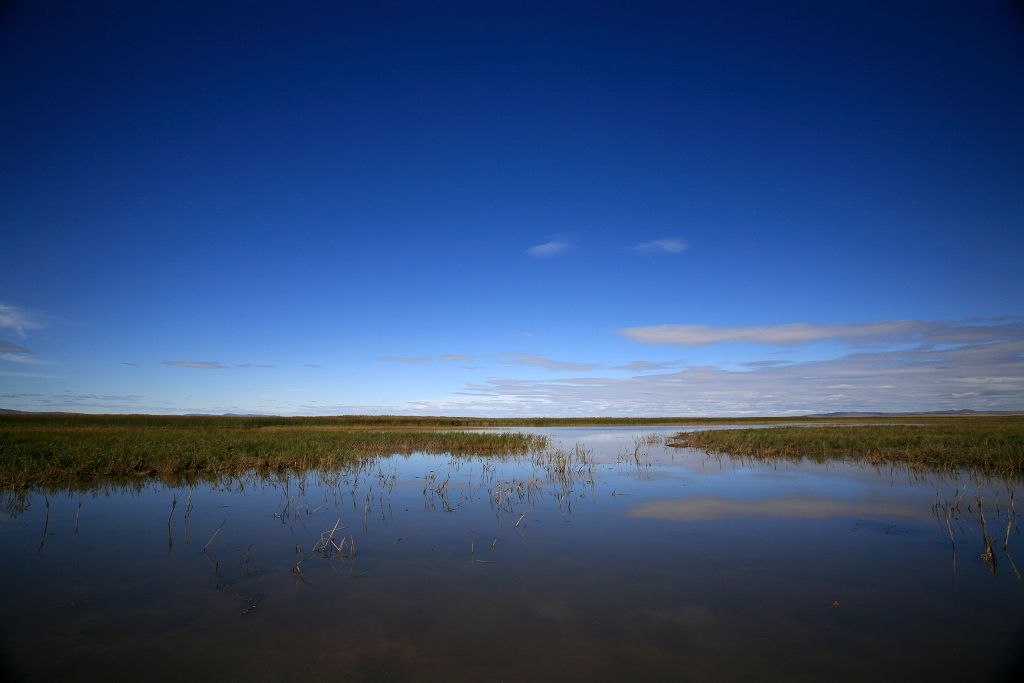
x=72, y=451
x=60, y=449
x=987, y=444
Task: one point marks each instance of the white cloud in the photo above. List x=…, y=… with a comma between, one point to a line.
x=666, y=245
x=905, y=331
x=420, y=360
x=986, y=376
x=198, y=364
x=17, y=319
x=27, y=374
x=13, y=348
x=553, y=365
x=408, y=360
x=549, y=248
x=520, y=358
x=643, y=366
x=21, y=358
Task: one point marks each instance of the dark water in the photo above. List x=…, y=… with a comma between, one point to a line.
x=632, y=561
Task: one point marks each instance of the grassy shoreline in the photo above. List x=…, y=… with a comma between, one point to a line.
x=79, y=450
x=64, y=449
x=987, y=444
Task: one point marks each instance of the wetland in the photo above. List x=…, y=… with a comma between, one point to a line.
x=255, y=550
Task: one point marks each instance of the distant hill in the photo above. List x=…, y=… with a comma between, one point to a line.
x=8, y=410
x=230, y=415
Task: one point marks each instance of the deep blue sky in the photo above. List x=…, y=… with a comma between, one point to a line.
x=362, y=188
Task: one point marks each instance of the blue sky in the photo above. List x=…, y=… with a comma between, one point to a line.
x=512, y=208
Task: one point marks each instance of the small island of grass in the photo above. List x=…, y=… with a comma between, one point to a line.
x=988, y=444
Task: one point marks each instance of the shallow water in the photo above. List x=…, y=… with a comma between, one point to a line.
x=618, y=560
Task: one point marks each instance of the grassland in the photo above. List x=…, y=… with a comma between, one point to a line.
x=61, y=449
x=75, y=450
x=987, y=444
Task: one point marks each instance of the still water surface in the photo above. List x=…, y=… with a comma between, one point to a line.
x=617, y=558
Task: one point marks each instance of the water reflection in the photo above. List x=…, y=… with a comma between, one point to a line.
x=704, y=508
x=608, y=555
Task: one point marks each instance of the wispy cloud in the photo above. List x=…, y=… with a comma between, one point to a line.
x=520, y=358
x=643, y=366
x=27, y=374
x=892, y=331
x=17, y=319
x=983, y=376
x=22, y=358
x=13, y=348
x=666, y=245
x=14, y=353
x=549, y=248
x=420, y=360
x=197, y=364
x=66, y=400
x=129, y=363
x=547, y=363
x=210, y=364
x=310, y=365
x=407, y=360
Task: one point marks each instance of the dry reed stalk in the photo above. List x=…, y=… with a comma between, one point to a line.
x=988, y=555
x=214, y=535
x=188, y=512
x=46, y=525
x=245, y=562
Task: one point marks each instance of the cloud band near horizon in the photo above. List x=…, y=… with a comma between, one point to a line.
x=792, y=334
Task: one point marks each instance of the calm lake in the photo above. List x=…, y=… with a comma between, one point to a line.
x=610, y=556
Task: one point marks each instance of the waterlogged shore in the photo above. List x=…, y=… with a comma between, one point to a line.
x=990, y=445
x=604, y=555
x=70, y=450
x=76, y=451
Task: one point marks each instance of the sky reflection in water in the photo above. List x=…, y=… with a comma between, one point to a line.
x=620, y=559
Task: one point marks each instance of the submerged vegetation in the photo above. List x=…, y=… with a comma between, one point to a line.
x=988, y=444
x=74, y=450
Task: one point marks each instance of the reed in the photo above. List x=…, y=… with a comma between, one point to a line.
x=217, y=531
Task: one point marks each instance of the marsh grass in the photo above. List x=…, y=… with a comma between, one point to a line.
x=76, y=451
x=990, y=445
